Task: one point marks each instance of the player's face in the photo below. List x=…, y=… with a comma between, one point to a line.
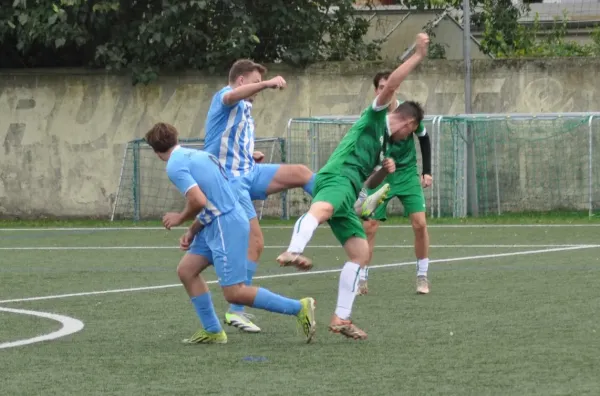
x=380, y=87
x=250, y=78
x=402, y=127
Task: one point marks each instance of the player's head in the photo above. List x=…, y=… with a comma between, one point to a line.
x=405, y=119
x=245, y=71
x=379, y=81
x=162, y=138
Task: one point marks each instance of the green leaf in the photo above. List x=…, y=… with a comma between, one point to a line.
x=52, y=19
x=59, y=42
x=156, y=37
x=23, y=18
x=12, y=25
x=255, y=38
x=55, y=8
x=169, y=41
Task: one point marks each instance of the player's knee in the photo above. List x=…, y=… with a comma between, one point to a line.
x=186, y=272
x=234, y=294
x=322, y=211
x=371, y=227
x=419, y=224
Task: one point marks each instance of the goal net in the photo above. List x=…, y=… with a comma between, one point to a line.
x=145, y=192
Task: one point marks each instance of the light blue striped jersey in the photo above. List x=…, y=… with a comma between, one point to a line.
x=230, y=134
x=187, y=168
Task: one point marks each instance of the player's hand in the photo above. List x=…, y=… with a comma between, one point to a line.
x=171, y=220
x=276, y=83
x=185, y=241
x=389, y=165
x=421, y=44
x=258, y=156
x=426, y=181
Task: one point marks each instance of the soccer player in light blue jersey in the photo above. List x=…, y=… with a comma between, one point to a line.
x=218, y=236
x=230, y=138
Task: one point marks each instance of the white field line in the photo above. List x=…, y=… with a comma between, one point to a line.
x=491, y=246
x=69, y=326
x=286, y=227
x=292, y=274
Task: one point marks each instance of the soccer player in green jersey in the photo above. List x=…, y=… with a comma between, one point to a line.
x=339, y=182
x=406, y=184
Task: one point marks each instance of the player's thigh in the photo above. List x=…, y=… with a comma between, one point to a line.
x=263, y=176
x=273, y=178
x=228, y=241
x=192, y=264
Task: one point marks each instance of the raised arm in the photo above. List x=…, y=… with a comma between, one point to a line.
x=399, y=75
x=247, y=90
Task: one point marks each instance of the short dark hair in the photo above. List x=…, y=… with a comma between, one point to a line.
x=382, y=75
x=243, y=66
x=162, y=137
x=410, y=109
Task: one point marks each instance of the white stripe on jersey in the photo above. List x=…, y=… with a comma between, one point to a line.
x=235, y=163
x=225, y=137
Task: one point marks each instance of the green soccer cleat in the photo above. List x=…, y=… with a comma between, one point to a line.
x=372, y=202
x=204, y=337
x=306, y=318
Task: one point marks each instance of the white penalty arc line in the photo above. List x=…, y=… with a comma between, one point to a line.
x=290, y=226
x=489, y=246
x=69, y=326
x=291, y=274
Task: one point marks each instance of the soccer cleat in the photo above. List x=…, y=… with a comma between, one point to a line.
x=289, y=259
x=373, y=201
x=346, y=328
x=306, y=318
x=242, y=321
x=204, y=337
x=422, y=284
x=362, y=289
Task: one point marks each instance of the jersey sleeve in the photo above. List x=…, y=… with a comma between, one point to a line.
x=182, y=179
x=421, y=130
x=221, y=94
x=375, y=112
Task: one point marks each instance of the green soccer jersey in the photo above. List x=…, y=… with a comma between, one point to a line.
x=362, y=148
x=404, y=152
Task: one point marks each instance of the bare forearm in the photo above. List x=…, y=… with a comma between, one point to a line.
x=243, y=92
x=190, y=211
x=376, y=178
x=396, y=78
x=195, y=228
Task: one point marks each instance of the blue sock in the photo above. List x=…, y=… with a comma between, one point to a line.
x=275, y=303
x=308, y=187
x=251, y=269
x=206, y=312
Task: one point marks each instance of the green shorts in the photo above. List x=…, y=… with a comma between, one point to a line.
x=406, y=185
x=341, y=194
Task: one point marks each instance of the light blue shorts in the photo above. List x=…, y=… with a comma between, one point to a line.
x=253, y=186
x=224, y=242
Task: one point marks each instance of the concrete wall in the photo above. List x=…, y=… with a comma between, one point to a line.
x=63, y=132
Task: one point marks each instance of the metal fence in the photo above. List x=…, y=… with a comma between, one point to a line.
x=520, y=162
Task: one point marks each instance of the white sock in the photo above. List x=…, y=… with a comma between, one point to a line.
x=422, y=266
x=347, y=290
x=303, y=231
x=364, y=274
x=362, y=197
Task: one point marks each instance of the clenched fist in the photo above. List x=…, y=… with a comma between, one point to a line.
x=389, y=165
